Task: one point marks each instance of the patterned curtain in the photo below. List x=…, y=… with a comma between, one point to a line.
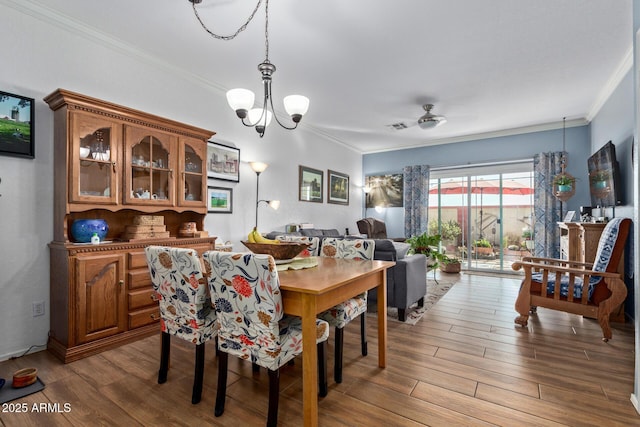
x=547, y=209
x=416, y=199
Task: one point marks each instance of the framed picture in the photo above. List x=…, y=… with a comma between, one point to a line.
x=337, y=188
x=223, y=162
x=310, y=185
x=384, y=190
x=16, y=125
x=569, y=216
x=219, y=200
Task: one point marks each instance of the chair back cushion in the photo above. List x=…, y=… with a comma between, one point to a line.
x=373, y=228
x=181, y=288
x=313, y=241
x=361, y=249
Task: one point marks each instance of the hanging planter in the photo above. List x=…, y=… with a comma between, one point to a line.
x=564, y=186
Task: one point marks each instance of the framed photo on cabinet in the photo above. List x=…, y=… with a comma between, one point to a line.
x=16, y=125
x=219, y=200
x=310, y=184
x=223, y=162
x=337, y=188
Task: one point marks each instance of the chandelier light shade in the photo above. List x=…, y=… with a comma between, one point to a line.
x=242, y=100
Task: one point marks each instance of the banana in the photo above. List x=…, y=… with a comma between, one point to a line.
x=259, y=239
x=251, y=238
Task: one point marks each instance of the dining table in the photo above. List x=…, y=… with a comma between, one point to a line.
x=309, y=291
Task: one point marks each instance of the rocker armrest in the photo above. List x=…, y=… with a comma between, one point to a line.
x=529, y=266
x=557, y=261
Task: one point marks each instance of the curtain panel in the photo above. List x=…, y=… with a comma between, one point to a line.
x=547, y=209
x=416, y=199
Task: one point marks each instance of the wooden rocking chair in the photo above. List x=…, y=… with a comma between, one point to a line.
x=558, y=284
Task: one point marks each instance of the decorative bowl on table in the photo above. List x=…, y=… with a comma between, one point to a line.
x=83, y=229
x=279, y=251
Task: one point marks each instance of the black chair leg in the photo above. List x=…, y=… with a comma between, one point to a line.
x=165, y=352
x=363, y=334
x=323, y=388
x=402, y=314
x=255, y=368
x=198, y=375
x=337, y=362
x=221, y=393
x=274, y=396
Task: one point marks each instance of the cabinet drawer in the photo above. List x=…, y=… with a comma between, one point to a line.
x=144, y=317
x=137, y=260
x=139, y=279
x=141, y=298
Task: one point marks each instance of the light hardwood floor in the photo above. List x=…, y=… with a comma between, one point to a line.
x=465, y=363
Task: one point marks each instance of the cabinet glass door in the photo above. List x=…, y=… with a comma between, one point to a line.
x=93, y=159
x=192, y=180
x=150, y=166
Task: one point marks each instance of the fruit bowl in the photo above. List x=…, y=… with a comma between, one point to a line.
x=279, y=251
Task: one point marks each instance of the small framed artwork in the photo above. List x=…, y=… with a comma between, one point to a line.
x=337, y=188
x=219, y=200
x=16, y=125
x=569, y=216
x=223, y=162
x=310, y=185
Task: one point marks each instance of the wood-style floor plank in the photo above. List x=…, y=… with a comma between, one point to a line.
x=465, y=363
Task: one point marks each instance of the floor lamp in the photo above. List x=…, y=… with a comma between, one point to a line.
x=258, y=168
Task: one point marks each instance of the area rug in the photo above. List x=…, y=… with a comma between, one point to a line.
x=8, y=393
x=435, y=291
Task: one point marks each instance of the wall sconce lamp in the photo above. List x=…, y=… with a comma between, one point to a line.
x=258, y=168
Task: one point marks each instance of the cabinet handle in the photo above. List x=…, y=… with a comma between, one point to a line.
x=153, y=316
x=171, y=173
x=154, y=297
x=120, y=282
x=114, y=166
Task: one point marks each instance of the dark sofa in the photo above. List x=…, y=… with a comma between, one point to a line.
x=406, y=281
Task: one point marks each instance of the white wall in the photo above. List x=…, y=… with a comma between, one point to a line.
x=41, y=54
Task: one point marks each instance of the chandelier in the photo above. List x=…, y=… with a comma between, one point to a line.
x=241, y=100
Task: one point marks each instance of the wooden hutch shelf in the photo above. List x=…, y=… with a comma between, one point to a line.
x=115, y=163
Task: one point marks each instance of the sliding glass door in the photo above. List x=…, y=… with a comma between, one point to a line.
x=484, y=218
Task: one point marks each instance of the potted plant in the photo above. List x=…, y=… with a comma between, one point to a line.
x=599, y=179
x=563, y=183
x=428, y=245
x=450, y=265
x=449, y=231
x=483, y=247
x=527, y=235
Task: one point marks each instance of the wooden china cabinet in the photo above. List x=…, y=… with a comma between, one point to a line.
x=116, y=163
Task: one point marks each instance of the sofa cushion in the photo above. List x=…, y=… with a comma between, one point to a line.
x=311, y=232
x=401, y=249
x=331, y=232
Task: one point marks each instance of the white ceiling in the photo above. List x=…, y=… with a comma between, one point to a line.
x=489, y=66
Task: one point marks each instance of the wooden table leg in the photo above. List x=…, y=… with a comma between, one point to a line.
x=309, y=362
x=382, y=319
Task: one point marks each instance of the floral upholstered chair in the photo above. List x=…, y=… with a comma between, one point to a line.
x=559, y=284
x=246, y=291
x=185, y=306
x=313, y=241
x=343, y=313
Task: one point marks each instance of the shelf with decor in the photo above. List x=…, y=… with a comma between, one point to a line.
x=116, y=165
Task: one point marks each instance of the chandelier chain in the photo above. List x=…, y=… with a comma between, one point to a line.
x=238, y=31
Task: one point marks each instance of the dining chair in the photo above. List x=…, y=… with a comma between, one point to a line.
x=312, y=250
x=340, y=315
x=185, y=306
x=246, y=290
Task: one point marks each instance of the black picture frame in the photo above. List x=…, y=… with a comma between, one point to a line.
x=223, y=162
x=219, y=200
x=17, y=122
x=310, y=184
x=337, y=188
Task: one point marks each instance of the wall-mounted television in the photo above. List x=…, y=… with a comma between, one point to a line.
x=604, y=177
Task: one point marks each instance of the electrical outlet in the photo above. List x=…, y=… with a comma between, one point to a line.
x=38, y=308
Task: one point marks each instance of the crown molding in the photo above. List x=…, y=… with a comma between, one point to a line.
x=614, y=81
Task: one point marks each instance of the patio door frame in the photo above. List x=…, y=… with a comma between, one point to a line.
x=468, y=172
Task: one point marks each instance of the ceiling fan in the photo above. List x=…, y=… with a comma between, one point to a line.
x=426, y=121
